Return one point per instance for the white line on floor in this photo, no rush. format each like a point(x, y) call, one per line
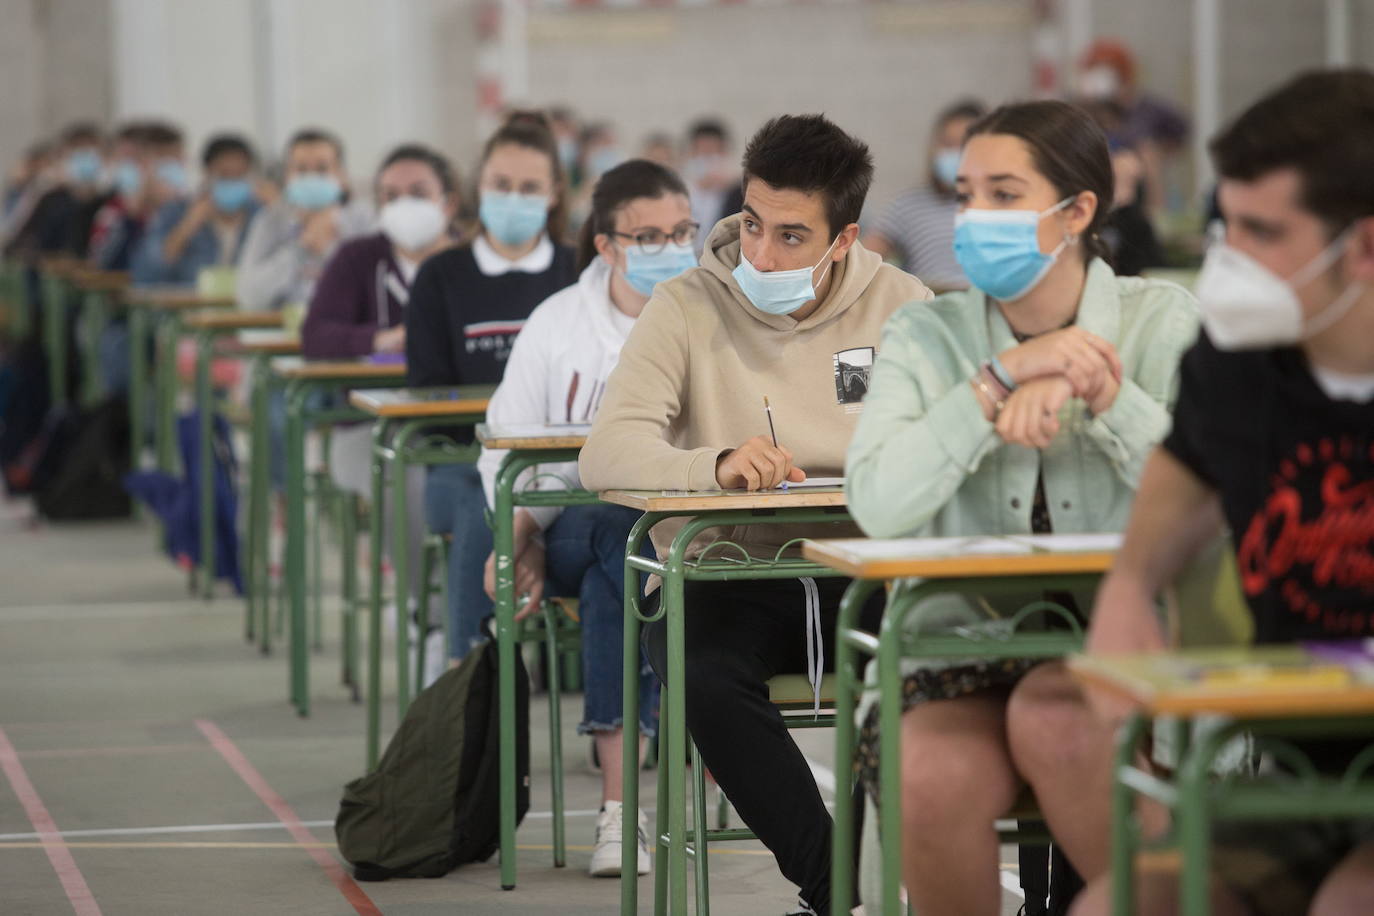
point(230, 828)
point(1011, 881)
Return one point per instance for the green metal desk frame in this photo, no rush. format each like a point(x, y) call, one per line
point(299, 418)
point(670, 872)
point(1196, 798)
point(890, 646)
point(398, 443)
point(508, 635)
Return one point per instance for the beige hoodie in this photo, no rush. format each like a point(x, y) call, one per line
point(692, 377)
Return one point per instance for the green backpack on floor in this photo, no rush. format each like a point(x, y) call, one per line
point(432, 803)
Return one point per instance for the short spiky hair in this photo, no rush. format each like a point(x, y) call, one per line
point(810, 153)
point(1321, 124)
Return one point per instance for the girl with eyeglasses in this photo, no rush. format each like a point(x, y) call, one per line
point(640, 232)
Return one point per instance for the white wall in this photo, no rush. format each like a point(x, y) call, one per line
point(382, 71)
point(879, 71)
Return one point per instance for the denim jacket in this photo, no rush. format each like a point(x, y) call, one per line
point(926, 462)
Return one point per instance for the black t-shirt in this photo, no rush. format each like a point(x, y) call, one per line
point(461, 323)
point(1295, 472)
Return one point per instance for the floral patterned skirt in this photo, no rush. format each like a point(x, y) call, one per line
point(992, 675)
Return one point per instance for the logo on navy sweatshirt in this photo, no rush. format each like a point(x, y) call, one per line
point(494, 338)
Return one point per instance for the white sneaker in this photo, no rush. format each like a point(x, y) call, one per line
point(609, 829)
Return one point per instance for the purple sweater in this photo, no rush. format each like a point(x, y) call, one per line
point(360, 292)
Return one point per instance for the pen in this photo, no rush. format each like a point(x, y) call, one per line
point(768, 412)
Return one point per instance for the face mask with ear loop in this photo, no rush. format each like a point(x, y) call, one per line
point(999, 250)
point(1246, 306)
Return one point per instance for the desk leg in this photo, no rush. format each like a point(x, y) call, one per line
point(295, 545)
point(165, 382)
point(890, 748)
point(205, 409)
point(257, 465)
point(95, 317)
point(503, 545)
point(374, 623)
point(675, 749)
point(400, 565)
point(1124, 828)
point(138, 384)
point(630, 665)
point(848, 681)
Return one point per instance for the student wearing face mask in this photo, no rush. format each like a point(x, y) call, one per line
point(59, 216)
point(466, 307)
point(712, 177)
point(289, 242)
point(917, 228)
point(639, 234)
point(149, 173)
point(208, 230)
point(784, 303)
point(1025, 405)
point(358, 308)
point(1273, 438)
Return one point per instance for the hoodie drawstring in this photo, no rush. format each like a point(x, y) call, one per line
point(815, 641)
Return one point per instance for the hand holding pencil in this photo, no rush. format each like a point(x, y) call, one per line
point(758, 464)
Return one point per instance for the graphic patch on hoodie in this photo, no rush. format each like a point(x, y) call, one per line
point(852, 370)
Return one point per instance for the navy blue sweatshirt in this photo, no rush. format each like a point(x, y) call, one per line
point(461, 324)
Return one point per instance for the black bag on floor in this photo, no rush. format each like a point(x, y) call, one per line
point(81, 473)
point(432, 803)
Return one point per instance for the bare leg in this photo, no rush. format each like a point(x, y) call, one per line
point(1349, 889)
point(1156, 895)
point(957, 778)
point(1065, 752)
point(609, 748)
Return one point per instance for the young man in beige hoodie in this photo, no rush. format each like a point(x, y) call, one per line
point(786, 304)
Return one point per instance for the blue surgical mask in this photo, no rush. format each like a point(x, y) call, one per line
point(231, 195)
point(172, 173)
point(645, 271)
point(999, 250)
point(513, 219)
point(128, 178)
point(84, 166)
point(779, 292)
point(946, 166)
point(313, 191)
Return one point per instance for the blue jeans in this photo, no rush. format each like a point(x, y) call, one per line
point(455, 504)
point(585, 556)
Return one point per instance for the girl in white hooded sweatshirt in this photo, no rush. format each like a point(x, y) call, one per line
point(640, 232)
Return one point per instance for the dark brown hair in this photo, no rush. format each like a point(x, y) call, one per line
point(1321, 124)
point(1068, 148)
point(531, 130)
point(812, 154)
point(628, 181)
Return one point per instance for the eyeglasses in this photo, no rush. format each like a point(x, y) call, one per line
point(652, 241)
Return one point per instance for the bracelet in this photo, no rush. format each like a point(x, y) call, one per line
point(997, 402)
point(986, 373)
point(1000, 373)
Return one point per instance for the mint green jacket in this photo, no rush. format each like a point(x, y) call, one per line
point(925, 462)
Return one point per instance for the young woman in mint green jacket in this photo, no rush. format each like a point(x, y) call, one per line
point(1025, 405)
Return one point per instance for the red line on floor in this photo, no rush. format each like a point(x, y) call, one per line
point(83, 902)
point(120, 751)
point(278, 806)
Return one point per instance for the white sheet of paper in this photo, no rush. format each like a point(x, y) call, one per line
point(816, 482)
point(538, 430)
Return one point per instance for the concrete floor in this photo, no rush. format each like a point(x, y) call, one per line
point(136, 722)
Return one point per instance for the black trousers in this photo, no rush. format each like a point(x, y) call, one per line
point(738, 635)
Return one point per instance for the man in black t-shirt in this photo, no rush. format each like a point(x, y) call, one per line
point(1273, 438)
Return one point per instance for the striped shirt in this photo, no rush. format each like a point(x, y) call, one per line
point(919, 224)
